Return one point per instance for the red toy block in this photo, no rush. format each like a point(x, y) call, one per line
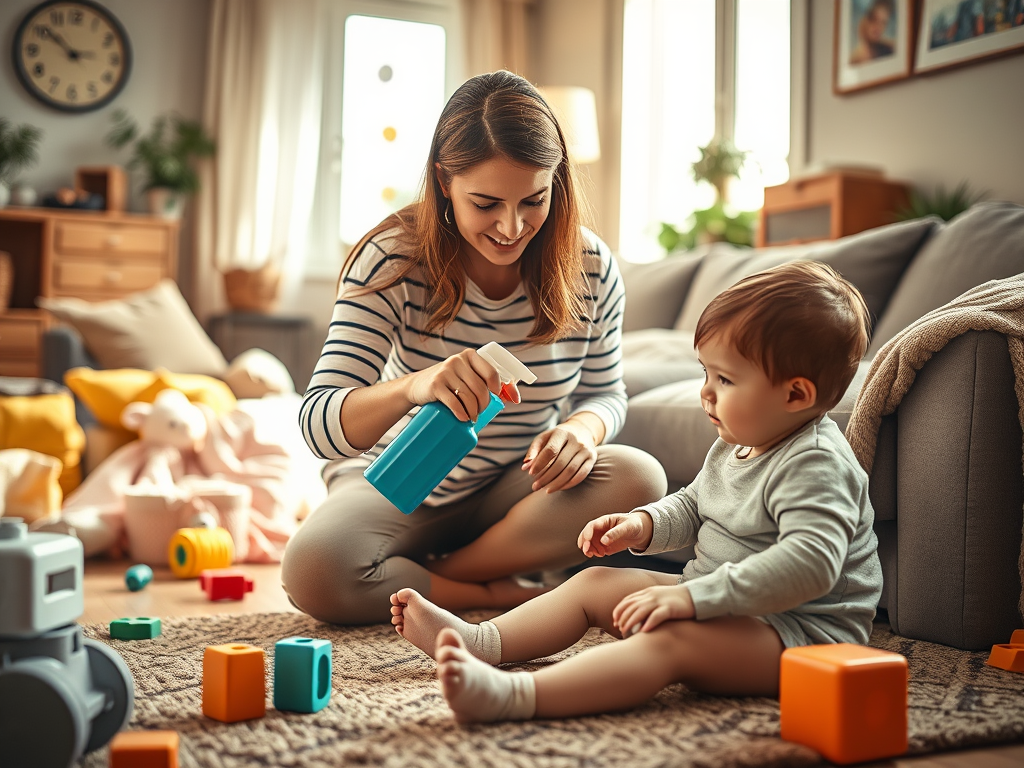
point(144, 749)
point(225, 584)
point(846, 701)
point(234, 683)
point(1009, 656)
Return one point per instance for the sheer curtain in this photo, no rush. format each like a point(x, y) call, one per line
point(263, 102)
point(496, 36)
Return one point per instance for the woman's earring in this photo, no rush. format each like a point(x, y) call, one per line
point(447, 212)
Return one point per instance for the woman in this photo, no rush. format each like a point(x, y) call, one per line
point(494, 251)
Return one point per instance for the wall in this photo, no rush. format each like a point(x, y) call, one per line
point(168, 42)
point(944, 128)
point(579, 42)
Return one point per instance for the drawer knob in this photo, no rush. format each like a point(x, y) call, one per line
point(113, 240)
point(112, 276)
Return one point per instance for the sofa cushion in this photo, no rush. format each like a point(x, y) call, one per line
point(655, 291)
point(148, 330)
point(656, 356)
point(873, 261)
point(984, 243)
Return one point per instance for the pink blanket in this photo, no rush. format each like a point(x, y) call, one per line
point(247, 485)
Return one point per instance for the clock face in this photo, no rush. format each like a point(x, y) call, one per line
point(73, 55)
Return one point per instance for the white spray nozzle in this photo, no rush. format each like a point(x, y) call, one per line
point(510, 369)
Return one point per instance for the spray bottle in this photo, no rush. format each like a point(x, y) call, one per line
point(435, 441)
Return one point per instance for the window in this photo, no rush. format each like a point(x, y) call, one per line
point(692, 71)
point(391, 68)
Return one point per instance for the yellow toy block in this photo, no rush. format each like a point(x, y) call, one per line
point(234, 687)
point(845, 701)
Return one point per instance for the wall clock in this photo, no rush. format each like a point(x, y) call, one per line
point(72, 55)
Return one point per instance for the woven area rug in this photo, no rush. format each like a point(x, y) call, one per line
point(387, 710)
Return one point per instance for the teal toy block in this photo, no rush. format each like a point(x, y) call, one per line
point(302, 674)
point(141, 628)
point(137, 577)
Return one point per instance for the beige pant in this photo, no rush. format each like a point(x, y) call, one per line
point(353, 552)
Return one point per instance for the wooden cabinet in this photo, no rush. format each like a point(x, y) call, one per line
point(87, 255)
point(828, 206)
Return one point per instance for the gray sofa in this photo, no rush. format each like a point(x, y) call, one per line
point(947, 484)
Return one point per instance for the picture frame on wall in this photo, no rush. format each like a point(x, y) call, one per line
point(952, 33)
point(873, 43)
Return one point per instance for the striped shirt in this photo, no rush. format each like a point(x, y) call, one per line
point(377, 337)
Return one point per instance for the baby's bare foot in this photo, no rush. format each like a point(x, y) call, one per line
point(419, 621)
point(477, 692)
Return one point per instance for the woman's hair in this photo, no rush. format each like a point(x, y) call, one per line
point(494, 115)
point(797, 319)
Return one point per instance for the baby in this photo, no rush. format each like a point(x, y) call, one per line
point(785, 551)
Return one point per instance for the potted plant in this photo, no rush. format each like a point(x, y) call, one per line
point(719, 161)
point(941, 203)
point(18, 149)
point(166, 154)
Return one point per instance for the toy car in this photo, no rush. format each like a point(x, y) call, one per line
point(60, 695)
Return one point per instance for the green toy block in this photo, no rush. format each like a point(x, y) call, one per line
point(302, 674)
point(141, 628)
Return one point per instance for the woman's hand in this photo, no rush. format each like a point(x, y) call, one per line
point(613, 533)
point(463, 382)
point(562, 456)
point(644, 610)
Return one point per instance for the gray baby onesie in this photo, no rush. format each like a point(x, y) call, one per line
point(785, 536)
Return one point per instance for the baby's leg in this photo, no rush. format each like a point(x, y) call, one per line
point(734, 655)
point(544, 625)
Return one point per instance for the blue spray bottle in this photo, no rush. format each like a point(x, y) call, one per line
point(435, 441)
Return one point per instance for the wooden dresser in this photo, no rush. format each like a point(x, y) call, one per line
point(89, 255)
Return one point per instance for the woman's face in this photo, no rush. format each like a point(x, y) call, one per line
point(499, 207)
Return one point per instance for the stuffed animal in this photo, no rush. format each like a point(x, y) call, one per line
point(169, 429)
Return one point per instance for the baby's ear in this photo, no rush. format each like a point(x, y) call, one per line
point(802, 394)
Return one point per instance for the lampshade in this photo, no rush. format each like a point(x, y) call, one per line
point(576, 110)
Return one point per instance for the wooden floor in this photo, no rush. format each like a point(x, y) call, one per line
point(107, 598)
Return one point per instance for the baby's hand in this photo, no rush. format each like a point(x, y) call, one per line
point(613, 533)
point(644, 610)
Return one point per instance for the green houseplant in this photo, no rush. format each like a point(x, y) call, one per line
point(940, 203)
point(19, 148)
point(166, 155)
point(719, 161)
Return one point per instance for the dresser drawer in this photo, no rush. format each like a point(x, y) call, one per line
point(20, 368)
point(19, 338)
point(110, 238)
point(117, 276)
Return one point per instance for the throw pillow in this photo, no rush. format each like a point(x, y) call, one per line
point(29, 484)
point(655, 291)
point(981, 244)
point(148, 330)
point(256, 373)
point(39, 415)
point(873, 261)
point(106, 393)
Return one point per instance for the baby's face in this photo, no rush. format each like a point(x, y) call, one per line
point(741, 400)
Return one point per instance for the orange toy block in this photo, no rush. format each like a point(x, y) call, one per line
point(1009, 656)
point(144, 749)
point(845, 701)
point(234, 687)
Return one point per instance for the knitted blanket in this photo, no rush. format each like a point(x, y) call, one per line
point(997, 305)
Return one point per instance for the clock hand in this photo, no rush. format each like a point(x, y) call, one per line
point(71, 52)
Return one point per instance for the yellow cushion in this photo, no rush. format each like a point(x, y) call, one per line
point(45, 423)
point(107, 392)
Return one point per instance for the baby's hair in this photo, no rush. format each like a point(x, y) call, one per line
point(797, 319)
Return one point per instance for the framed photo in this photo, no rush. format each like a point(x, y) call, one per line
point(955, 32)
point(873, 43)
